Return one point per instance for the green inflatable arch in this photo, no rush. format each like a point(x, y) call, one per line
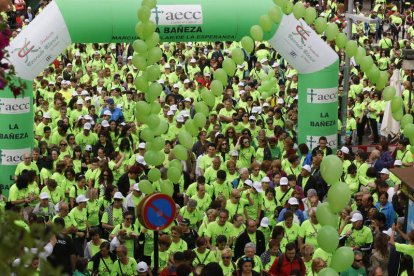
point(68, 21)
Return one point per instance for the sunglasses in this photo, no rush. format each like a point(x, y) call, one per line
point(63, 144)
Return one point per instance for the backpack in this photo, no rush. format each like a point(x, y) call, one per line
point(281, 259)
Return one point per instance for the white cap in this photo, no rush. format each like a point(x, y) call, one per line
point(176, 86)
point(105, 123)
point(167, 66)
point(142, 267)
point(130, 57)
point(107, 112)
point(234, 153)
point(293, 201)
point(263, 60)
point(385, 171)
point(26, 20)
point(87, 126)
point(79, 101)
point(284, 181)
point(44, 195)
point(81, 198)
point(74, 93)
point(397, 163)
point(140, 160)
point(252, 118)
point(241, 66)
point(46, 115)
point(248, 182)
point(266, 104)
point(113, 46)
point(207, 74)
point(173, 107)
point(77, 54)
point(161, 81)
point(184, 113)
point(388, 232)
point(135, 187)
point(276, 64)
point(190, 44)
point(186, 81)
point(307, 167)
point(69, 64)
point(280, 101)
point(265, 179)
point(118, 195)
point(290, 76)
point(180, 119)
point(241, 92)
point(240, 84)
point(192, 60)
point(88, 147)
point(170, 113)
point(51, 83)
point(255, 109)
point(187, 100)
point(84, 93)
point(87, 98)
point(345, 150)
point(356, 217)
point(258, 187)
point(264, 222)
point(141, 146)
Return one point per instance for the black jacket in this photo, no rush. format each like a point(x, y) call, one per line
point(244, 238)
point(328, 150)
point(123, 184)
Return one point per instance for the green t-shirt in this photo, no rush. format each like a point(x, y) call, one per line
point(104, 270)
point(358, 237)
point(309, 232)
point(194, 216)
point(320, 253)
point(80, 216)
point(129, 243)
point(214, 230)
point(407, 249)
point(236, 208)
point(178, 247)
point(128, 269)
point(116, 216)
point(291, 234)
point(163, 258)
point(204, 258)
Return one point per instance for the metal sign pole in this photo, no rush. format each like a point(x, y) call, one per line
point(156, 254)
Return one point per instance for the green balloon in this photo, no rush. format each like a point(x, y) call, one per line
point(310, 15)
point(150, 157)
point(299, 10)
point(153, 121)
point(275, 14)
point(154, 55)
point(167, 188)
point(382, 80)
point(341, 40)
point(256, 32)
point(327, 271)
point(185, 138)
point(237, 55)
point(144, 13)
point(155, 108)
point(373, 74)
point(202, 108)
point(208, 98)
point(288, 7)
point(149, 3)
point(142, 108)
point(339, 196)
point(161, 128)
point(159, 159)
point(405, 120)
point(388, 93)
point(325, 215)
point(159, 143)
point(280, 3)
point(396, 103)
point(398, 115)
point(411, 148)
point(248, 44)
point(342, 259)
point(176, 164)
point(147, 135)
point(173, 174)
point(180, 152)
point(139, 61)
point(199, 120)
point(366, 63)
point(148, 29)
point(331, 169)
point(360, 53)
point(153, 92)
point(146, 187)
point(229, 66)
point(140, 46)
point(139, 29)
point(331, 31)
point(328, 238)
point(141, 83)
point(154, 174)
point(221, 75)
point(265, 22)
point(351, 48)
point(409, 131)
point(153, 40)
point(320, 25)
point(153, 72)
point(191, 127)
point(217, 87)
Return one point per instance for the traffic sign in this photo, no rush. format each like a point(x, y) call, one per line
point(156, 212)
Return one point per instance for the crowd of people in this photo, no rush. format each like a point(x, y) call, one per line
point(247, 197)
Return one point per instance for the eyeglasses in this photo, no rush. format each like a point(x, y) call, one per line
point(63, 144)
point(224, 144)
point(225, 257)
point(247, 259)
point(358, 260)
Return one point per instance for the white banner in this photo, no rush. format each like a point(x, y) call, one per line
point(313, 141)
point(12, 157)
point(301, 46)
point(167, 15)
point(40, 43)
point(322, 95)
point(14, 105)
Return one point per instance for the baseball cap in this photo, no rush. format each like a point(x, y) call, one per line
point(173, 107)
point(81, 198)
point(176, 86)
point(118, 195)
point(140, 159)
point(187, 100)
point(161, 81)
point(84, 93)
point(385, 171)
point(258, 187)
point(44, 195)
point(284, 181)
point(130, 57)
point(356, 217)
point(141, 146)
point(185, 221)
point(307, 167)
point(186, 81)
point(234, 153)
point(88, 148)
point(79, 101)
point(293, 201)
point(107, 112)
point(113, 46)
point(388, 232)
point(240, 84)
point(180, 119)
point(241, 92)
point(87, 98)
point(248, 182)
point(192, 60)
point(110, 101)
point(46, 115)
point(241, 66)
point(252, 118)
point(167, 66)
point(170, 113)
point(105, 123)
point(280, 101)
point(135, 187)
point(190, 44)
point(266, 104)
point(397, 163)
point(142, 267)
point(264, 222)
point(87, 126)
point(345, 150)
point(265, 179)
point(276, 64)
point(263, 60)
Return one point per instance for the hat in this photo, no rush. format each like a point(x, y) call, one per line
point(161, 81)
point(46, 115)
point(140, 159)
point(44, 195)
point(87, 98)
point(84, 93)
point(170, 113)
point(192, 60)
point(293, 201)
point(176, 86)
point(263, 60)
point(280, 101)
point(276, 64)
point(397, 163)
point(81, 117)
point(240, 84)
point(248, 182)
point(141, 146)
point(356, 217)
point(118, 195)
point(264, 222)
point(307, 167)
point(75, 94)
point(207, 74)
point(110, 101)
point(185, 221)
point(234, 153)
point(88, 148)
point(265, 179)
point(113, 46)
point(345, 150)
point(284, 181)
point(184, 113)
point(130, 57)
point(385, 171)
point(79, 101)
point(180, 119)
point(81, 198)
point(252, 118)
point(173, 107)
point(105, 123)
point(241, 92)
point(256, 109)
point(135, 187)
point(167, 66)
point(142, 267)
point(186, 81)
point(266, 104)
point(241, 66)
point(187, 100)
point(87, 126)
point(258, 187)
point(190, 44)
point(107, 112)
point(388, 232)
